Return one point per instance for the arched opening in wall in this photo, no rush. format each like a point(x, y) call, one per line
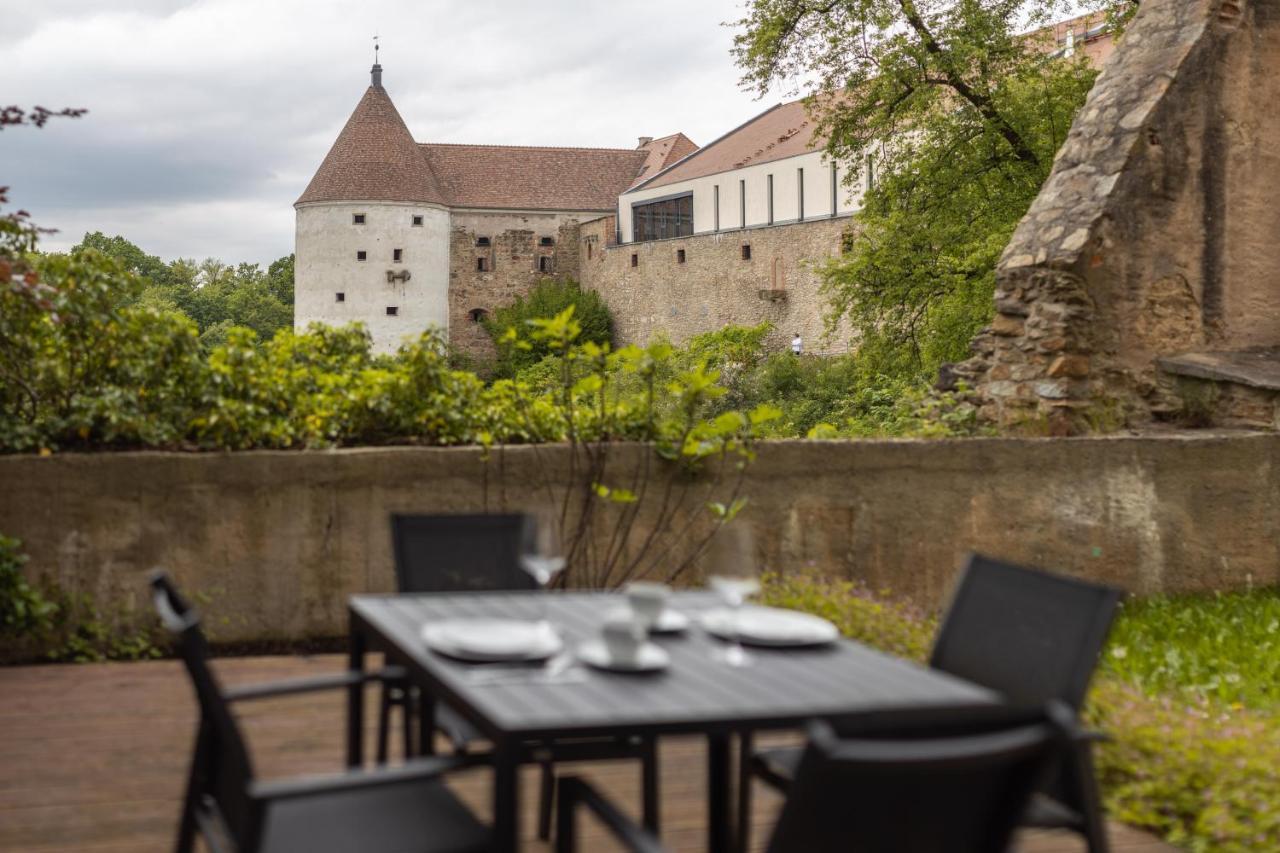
point(478, 315)
point(778, 280)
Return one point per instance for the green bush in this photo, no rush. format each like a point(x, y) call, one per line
point(24, 611)
point(547, 299)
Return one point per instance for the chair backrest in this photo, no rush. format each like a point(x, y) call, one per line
point(460, 553)
point(923, 793)
point(1031, 635)
point(221, 770)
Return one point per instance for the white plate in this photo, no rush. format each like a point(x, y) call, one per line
point(670, 622)
point(648, 659)
point(770, 626)
point(492, 639)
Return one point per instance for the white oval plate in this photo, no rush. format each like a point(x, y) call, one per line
point(649, 658)
point(770, 626)
point(492, 639)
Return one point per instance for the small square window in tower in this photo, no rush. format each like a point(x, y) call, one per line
point(635, 259)
point(357, 219)
point(544, 264)
point(547, 241)
point(482, 264)
point(482, 241)
point(679, 256)
point(746, 251)
point(397, 255)
point(417, 221)
point(339, 297)
point(361, 255)
point(392, 311)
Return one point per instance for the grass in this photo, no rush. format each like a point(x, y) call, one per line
point(1189, 691)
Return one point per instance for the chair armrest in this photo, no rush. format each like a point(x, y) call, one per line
point(413, 770)
point(292, 686)
point(572, 790)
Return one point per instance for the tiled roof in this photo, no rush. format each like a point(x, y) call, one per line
point(374, 158)
point(527, 178)
point(782, 131)
point(663, 152)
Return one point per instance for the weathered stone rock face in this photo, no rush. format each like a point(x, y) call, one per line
point(688, 285)
point(1157, 232)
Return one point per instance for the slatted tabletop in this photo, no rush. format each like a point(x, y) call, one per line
point(698, 693)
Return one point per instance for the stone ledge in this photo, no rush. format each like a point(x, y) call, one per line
point(1257, 368)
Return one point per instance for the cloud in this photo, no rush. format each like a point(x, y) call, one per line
point(208, 118)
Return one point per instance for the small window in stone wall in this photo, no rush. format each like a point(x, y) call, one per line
point(588, 251)
point(397, 255)
point(361, 255)
point(547, 241)
point(392, 311)
point(635, 259)
point(544, 264)
point(478, 315)
point(482, 264)
point(357, 219)
point(417, 221)
point(482, 241)
point(679, 256)
point(746, 251)
point(339, 297)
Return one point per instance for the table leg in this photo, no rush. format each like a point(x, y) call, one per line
point(506, 796)
point(355, 701)
point(719, 794)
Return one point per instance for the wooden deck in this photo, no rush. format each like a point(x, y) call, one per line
point(93, 758)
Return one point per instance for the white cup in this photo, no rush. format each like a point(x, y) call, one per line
point(648, 600)
point(623, 636)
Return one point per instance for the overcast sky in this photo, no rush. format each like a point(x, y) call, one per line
point(208, 117)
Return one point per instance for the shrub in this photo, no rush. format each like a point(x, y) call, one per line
point(23, 609)
point(547, 299)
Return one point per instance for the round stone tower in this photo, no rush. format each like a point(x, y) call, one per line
point(373, 231)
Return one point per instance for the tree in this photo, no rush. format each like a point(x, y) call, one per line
point(959, 112)
point(509, 324)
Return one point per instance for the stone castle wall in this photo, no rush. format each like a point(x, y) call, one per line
point(652, 288)
point(513, 261)
point(1156, 232)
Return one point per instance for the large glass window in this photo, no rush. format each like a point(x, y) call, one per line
point(658, 220)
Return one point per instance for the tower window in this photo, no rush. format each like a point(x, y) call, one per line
point(397, 255)
point(482, 241)
point(482, 264)
point(357, 219)
point(635, 259)
point(339, 297)
point(478, 315)
point(769, 193)
point(417, 221)
point(546, 241)
point(392, 311)
point(746, 251)
point(362, 255)
point(544, 264)
point(588, 251)
point(679, 256)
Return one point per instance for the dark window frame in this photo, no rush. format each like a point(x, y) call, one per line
point(482, 264)
point(482, 241)
point(680, 256)
point(393, 311)
point(397, 256)
point(716, 200)
point(417, 220)
point(339, 296)
point(544, 263)
point(768, 183)
point(662, 218)
point(357, 219)
point(546, 241)
point(635, 260)
point(746, 251)
point(742, 202)
point(362, 255)
point(800, 194)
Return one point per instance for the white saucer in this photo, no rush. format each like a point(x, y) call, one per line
point(769, 626)
point(650, 658)
point(670, 622)
point(486, 640)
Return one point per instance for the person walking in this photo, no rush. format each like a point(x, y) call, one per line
point(797, 345)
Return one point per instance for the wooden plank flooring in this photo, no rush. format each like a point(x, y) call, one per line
point(93, 758)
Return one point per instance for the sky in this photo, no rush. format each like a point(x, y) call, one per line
point(207, 118)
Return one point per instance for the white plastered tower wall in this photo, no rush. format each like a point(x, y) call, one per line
point(328, 241)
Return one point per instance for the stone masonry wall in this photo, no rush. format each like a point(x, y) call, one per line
point(713, 285)
point(512, 261)
point(1156, 231)
point(272, 543)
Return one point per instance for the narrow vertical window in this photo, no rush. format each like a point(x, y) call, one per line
point(746, 251)
point(742, 203)
point(680, 256)
point(835, 191)
point(482, 264)
point(397, 255)
point(871, 173)
point(800, 194)
point(768, 182)
point(635, 260)
point(588, 251)
point(544, 264)
point(716, 202)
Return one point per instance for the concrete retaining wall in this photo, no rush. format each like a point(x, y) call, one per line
point(272, 543)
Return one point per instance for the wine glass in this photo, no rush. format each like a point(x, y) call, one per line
point(732, 573)
point(542, 557)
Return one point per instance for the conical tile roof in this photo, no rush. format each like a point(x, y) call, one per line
point(374, 159)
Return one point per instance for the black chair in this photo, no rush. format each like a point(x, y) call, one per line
point(924, 794)
point(398, 809)
point(459, 553)
point(1034, 637)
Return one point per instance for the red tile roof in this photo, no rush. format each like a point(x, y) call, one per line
point(374, 159)
point(663, 152)
point(529, 178)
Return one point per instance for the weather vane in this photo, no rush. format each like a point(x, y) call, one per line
point(375, 49)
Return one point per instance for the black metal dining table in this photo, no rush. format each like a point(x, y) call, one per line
point(699, 693)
